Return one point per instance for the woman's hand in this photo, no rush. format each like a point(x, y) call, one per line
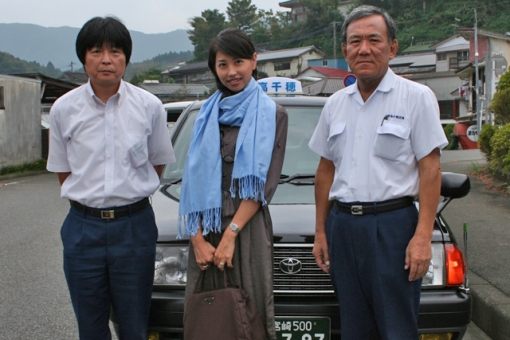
point(225, 251)
point(204, 251)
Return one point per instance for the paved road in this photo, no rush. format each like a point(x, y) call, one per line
point(34, 302)
point(487, 214)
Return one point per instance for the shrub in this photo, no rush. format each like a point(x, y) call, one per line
point(453, 139)
point(501, 106)
point(500, 154)
point(484, 140)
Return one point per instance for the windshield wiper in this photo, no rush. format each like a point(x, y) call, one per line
point(309, 179)
point(171, 181)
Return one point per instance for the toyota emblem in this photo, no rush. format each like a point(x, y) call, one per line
point(290, 265)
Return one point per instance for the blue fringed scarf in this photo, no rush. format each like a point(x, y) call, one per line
point(201, 197)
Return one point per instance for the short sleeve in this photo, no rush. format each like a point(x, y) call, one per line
point(319, 140)
point(427, 132)
point(57, 156)
point(160, 146)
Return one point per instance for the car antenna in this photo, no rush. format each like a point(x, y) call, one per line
point(466, 279)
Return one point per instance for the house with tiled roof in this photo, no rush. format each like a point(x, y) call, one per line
point(298, 11)
point(322, 72)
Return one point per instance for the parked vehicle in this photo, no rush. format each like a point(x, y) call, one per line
point(305, 304)
point(173, 111)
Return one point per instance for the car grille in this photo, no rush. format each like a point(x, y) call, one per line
point(309, 279)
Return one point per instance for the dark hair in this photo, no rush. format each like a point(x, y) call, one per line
point(98, 31)
point(232, 42)
point(366, 11)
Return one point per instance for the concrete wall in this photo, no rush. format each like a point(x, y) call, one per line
point(20, 121)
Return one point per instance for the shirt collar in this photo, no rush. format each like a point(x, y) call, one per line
point(386, 84)
point(120, 92)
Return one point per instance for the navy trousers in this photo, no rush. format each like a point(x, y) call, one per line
point(367, 258)
point(110, 264)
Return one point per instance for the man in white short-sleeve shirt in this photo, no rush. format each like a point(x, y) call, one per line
point(108, 145)
point(379, 143)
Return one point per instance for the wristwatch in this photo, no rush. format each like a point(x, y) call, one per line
point(234, 227)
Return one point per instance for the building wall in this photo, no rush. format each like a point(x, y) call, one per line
point(483, 47)
point(339, 63)
point(297, 65)
point(20, 121)
point(445, 65)
point(442, 87)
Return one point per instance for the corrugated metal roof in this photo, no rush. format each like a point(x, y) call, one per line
point(285, 54)
point(414, 60)
point(324, 87)
point(165, 89)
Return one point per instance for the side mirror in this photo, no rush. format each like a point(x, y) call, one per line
point(455, 185)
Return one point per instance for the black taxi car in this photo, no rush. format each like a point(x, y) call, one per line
point(305, 303)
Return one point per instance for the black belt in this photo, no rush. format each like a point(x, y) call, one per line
point(364, 208)
point(112, 213)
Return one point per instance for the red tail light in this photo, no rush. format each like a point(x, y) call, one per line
point(455, 266)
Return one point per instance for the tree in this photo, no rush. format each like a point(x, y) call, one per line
point(151, 74)
point(318, 27)
point(205, 28)
point(504, 81)
point(241, 13)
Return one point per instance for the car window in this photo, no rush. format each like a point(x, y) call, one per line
point(299, 159)
point(181, 145)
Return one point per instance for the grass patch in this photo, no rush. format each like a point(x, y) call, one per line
point(38, 165)
point(475, 166)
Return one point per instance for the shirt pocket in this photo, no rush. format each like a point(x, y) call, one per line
point(138, 151)
point(336, 141)
point(392, 140)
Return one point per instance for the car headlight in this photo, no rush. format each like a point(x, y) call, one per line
point(435, 276)
point(171, 265)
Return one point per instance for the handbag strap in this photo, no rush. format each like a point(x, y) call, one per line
point(228, 281)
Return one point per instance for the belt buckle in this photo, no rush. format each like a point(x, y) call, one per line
point(357, 210)
point(107, 214)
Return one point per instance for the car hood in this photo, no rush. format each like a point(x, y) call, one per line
point(292, 223)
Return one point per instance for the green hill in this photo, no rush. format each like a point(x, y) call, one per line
point(12, 65)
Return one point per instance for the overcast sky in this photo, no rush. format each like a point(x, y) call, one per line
point(148, 16)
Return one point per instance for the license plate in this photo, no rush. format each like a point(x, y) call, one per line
point(302, 328)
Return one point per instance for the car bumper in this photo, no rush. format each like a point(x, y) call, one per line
point(441, 311)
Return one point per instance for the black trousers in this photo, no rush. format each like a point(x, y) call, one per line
point(367, 258)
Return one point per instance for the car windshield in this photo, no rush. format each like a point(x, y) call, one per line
point(299, 165)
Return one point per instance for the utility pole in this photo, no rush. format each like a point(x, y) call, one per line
point(477, 87)
point(334, 40)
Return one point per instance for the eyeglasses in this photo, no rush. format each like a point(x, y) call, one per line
point(226, 158)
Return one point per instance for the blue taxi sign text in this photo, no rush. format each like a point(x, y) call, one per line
point(280, 86)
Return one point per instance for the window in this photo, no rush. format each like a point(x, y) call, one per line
point(324, 62)
point(463, 56)
point(300, 17)
point(280, 66)
point(441, 56)
point(446, 109)
point(2, 104)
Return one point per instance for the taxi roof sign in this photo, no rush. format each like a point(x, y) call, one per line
point(281, 86)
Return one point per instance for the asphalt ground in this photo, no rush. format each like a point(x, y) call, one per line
point(487, 214)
